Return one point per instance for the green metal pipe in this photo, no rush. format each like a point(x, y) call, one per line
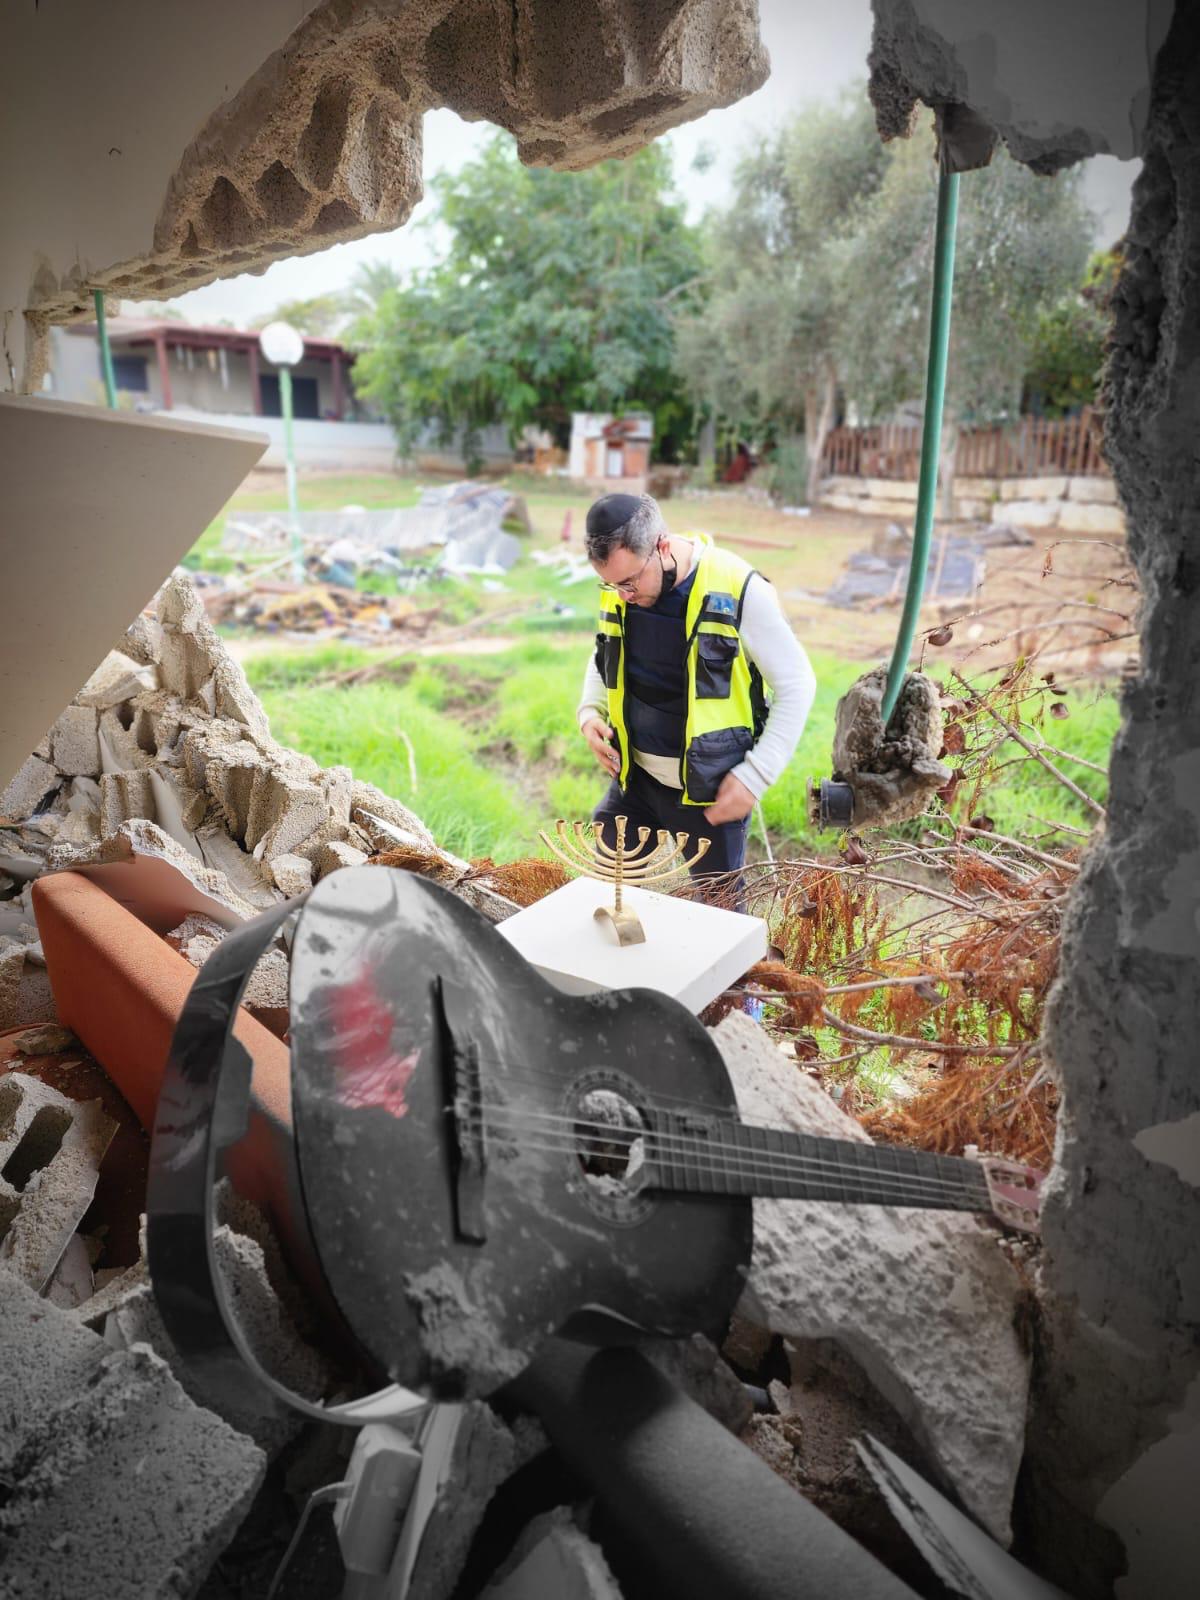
point(110, 382)
point(931, 433)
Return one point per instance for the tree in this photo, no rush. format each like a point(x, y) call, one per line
point(371, 281)
point(1069, 340)
point(1021, 245)
point(318, 316)
point(757, 343)
point(552, 296)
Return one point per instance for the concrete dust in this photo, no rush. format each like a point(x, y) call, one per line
point(894, 772)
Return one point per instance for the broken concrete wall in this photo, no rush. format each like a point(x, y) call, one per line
point(309, 120)
point(115, 1483)
point(181, 767)
point(1120, 1434)
point(1057, 83)
point(924, 1301)
point(1114, 1451)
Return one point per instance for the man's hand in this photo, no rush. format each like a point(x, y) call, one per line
point(734, 801)
point(598, 733)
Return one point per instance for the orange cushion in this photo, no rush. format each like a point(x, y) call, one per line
point(120, 988)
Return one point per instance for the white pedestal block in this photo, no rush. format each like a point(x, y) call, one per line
point(692, 952)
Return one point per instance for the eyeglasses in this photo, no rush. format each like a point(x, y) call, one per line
point(629, 585)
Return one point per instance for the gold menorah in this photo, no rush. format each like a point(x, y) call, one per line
point(595, 859)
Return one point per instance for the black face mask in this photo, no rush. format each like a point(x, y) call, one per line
point(668, 578)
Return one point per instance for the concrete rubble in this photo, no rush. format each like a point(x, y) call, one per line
point(131, 1318)
point(50, 1153)
point(554, 1556)
point(893, 777)
point(82, 1425)
point(315, 135)
point(925, 1302)
point(165, 757)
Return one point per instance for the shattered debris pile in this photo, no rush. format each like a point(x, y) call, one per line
point(892, 771)
point(957, 564)
point(165, 753)
point(278, 607)
point(466, 521)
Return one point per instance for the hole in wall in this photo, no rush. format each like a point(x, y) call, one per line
point(226, 217)
point(336, 217)
point(283, 198)
point(320, 149)
point(37, 1147)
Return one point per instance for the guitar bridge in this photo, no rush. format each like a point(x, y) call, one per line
point(464, 1087)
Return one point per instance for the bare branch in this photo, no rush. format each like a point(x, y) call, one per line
point(1015, 733)
point(903, 1042)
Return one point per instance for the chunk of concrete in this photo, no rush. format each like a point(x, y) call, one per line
point(480, 1458)
point(222, 855)
point(894, 772)
point(126, 797)
point(369, 803)
point(74, 742)
point(144, 868)
point(119, 749)
point(554, 1557)
point(33, 784)
point(191, 654)
point(291, 874)
point(178, 808)
point(25, 992)
point(50, 1153)
point(228, 777)
point(284, 812)
point(120, 1485)
point(70, 1284)
point(142, 641)
point(134, 1320)
point(924, 1301)
point(118, 677)
point(692, 951)
point(695, 1365)
point(339, 854)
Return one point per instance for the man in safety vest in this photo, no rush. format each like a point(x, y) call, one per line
point(674, 705)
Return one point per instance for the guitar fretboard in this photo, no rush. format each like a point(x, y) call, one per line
point(701, 1155)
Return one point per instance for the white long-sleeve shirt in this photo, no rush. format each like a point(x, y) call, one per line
point(774, 649)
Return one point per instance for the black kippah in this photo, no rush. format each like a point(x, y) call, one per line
point(611, 512)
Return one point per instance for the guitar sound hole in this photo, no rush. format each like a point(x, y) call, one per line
point(609, 1142)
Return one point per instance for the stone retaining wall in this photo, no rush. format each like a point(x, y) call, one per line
point(1074, 505)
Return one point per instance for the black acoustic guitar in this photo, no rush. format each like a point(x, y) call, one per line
point(484, 1159)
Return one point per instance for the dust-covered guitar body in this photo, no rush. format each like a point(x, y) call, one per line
point(450, 1109)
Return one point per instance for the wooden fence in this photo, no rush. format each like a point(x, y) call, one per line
point(1034, 447)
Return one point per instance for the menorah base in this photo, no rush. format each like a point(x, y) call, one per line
point(625, 924)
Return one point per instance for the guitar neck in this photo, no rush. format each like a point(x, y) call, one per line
point(698, 1155)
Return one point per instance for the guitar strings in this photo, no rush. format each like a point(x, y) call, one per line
point(832, 1188)
point(730, 1159)
point(966, 1174)
point(760, 1161)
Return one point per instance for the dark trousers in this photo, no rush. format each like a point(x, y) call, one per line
point(650, 804)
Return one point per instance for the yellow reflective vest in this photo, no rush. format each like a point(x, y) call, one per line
point(726, 704)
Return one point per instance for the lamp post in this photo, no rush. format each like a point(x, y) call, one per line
point(283, 347)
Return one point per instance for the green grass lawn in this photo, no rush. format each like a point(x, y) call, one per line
point(496, 754)
point(493, 737)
